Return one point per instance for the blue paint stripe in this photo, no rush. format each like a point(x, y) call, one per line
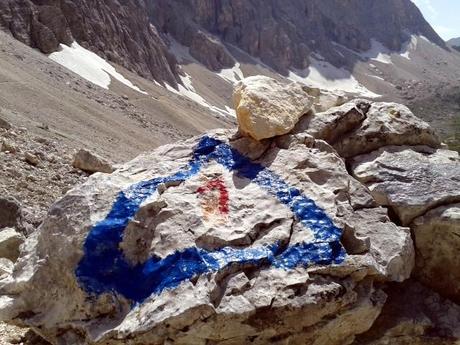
point(104, 267)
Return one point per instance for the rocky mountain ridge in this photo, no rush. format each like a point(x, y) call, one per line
point(118, 31)
point(284, 34)
point(281, 34)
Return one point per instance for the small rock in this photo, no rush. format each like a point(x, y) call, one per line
point(31, 158)
point(10, 241)
point(10, 213)
point(4, 124)
point(90, 162)
point(266, 108)
point(8, 147)
point(6, 267)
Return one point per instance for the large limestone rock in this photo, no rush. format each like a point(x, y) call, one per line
point(195, 243)
point(266, 108)
point(411, 180)
point(437, 236)
point(386, 124)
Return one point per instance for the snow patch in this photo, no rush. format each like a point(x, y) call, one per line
point(233, 74)
point(322, 74)
point(378, 52)
point(409, 47)
point(89, 66)
point(187, 90)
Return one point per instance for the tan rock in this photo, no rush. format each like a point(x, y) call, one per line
point(31, 159)
point(10, 241)
point(90, 162)
point(266, 108)
point(437, 238)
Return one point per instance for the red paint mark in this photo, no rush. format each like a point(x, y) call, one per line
point(209, 203)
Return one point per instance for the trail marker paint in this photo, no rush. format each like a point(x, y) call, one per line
point(104, 267)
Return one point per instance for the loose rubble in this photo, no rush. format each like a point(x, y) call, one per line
point(34, 186)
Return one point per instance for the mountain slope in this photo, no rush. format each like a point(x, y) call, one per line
point(119, 31)
point(283, 34)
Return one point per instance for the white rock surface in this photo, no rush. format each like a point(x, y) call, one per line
point(257, 302)
point(266, 108)
point(411, 180)
point(387, 124)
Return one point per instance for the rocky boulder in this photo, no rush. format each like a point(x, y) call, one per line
point(410, 180)
point(10, 213)
point(91, 162)
point(437, 236)
point(205, 241)
point(266, 108)
point(387, 124)
point(10, 241)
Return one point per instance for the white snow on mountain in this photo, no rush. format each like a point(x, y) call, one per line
point(187, 90)
point(89, 66)
point(322, 74)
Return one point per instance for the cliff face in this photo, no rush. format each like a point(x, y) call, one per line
point(118, 30)
point(282, 34)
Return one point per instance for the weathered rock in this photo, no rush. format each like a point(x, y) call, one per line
point(410, 180)
point(387, 124)
point(31, 158)
point(414, 315)
point(326, 99)
point(10, 241)
point(4, 124)
point(6, 267)
point(7, 147)
point(210, 52)
point(195, 244)
point(437, 237)
point(90, 162)
point(10, 213)
point(266, 108)
point(333, 124)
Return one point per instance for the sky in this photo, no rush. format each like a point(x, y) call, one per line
point(443, 15)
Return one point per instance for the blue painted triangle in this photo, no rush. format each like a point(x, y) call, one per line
point(104, 268)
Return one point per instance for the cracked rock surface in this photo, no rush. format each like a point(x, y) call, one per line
point(223, 214)
point(222, 239)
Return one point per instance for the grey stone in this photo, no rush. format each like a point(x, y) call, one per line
point(410, 180)
point(319, 304)
point(90, 162)
point(10, 241)
point(10, 213)
point(437, 237)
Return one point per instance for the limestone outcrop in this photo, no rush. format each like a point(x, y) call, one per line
point(225, 239)
point(196, 242)
point(411, 180)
